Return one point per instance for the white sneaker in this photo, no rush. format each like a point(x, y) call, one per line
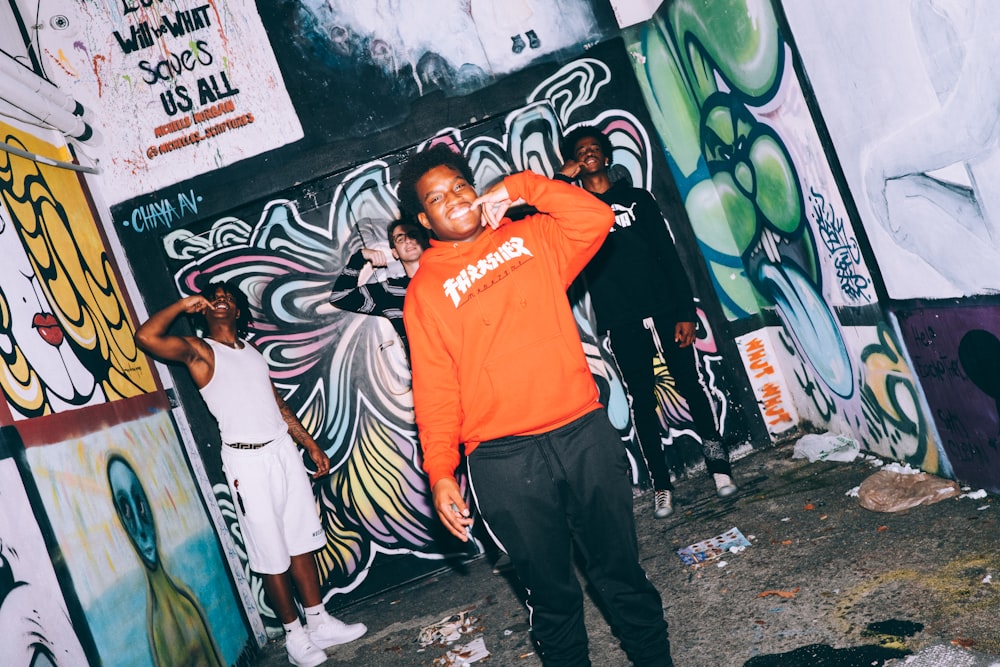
point(302, 652)
point(724, 485)
point(663, 504)
point(332, 632)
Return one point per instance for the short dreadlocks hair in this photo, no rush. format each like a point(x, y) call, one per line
point(419, 164)
point(230, 287)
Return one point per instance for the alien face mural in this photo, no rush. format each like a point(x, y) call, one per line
point(177, 630)
point(133, 509)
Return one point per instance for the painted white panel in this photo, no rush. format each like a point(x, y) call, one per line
point(175, 89)
point(910, 92)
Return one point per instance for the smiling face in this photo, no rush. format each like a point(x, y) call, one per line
point(223, 305)
point(447, 199)
point(229, 308)
point(590, 155)
point(407, 242)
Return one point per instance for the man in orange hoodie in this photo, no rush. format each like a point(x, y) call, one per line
point(498, 368)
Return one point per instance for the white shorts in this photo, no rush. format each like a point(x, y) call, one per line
point(274, 504)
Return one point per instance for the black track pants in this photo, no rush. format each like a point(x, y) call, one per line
point(634, 350)
point(541, 494)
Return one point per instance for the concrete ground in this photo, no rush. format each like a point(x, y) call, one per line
point(824, 583)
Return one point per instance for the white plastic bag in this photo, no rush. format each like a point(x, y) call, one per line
point(826, 447)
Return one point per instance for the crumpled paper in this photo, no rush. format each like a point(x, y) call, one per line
point(464, 655)
point(448, 629)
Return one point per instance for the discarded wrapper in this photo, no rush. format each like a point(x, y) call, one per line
point(464, 655)
point(712, 548)
point(448, 629)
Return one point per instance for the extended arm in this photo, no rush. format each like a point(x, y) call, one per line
point(438, 412)
point(301, 435)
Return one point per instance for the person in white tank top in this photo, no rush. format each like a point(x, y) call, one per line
point(259, 431)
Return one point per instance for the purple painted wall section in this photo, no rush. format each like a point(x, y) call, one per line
point(956, 356)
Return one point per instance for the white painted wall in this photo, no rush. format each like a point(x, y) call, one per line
point(910, 91)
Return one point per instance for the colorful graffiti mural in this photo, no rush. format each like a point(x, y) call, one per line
point(75, 389)
point(176, 89)
point(728, 105)
point(34, 620)
point(955, 352)
point(66, 329)
point(344, 374)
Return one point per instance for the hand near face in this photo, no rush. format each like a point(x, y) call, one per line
point(195, 304)
point(494, 203)
point(570, 168)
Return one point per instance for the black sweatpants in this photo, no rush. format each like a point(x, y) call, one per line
point(541, 494)
point(633, 348)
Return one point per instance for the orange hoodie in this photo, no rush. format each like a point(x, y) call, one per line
point(494, 347)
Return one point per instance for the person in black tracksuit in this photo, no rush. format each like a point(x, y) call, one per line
point(642, 298)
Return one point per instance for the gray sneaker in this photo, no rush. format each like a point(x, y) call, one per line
point(724, 485)
point(663, 504)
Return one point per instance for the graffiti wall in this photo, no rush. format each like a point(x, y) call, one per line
point(65, 322)
point(955, 352)
point(912, 120)
point(34, 609)
point(722, 85)
point(89, 450)
point(346, 375)
point(170, 90)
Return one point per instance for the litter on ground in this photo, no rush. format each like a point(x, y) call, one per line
point(712, 548)
point(781, 594)
point(464, 655)
point(826, 447)
point(892, 490)
point(448, 629)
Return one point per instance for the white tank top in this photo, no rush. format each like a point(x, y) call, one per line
point(241, 397)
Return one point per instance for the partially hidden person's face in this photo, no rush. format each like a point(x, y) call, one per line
point(447, 200)
point(590, 156)
point(406, 243)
